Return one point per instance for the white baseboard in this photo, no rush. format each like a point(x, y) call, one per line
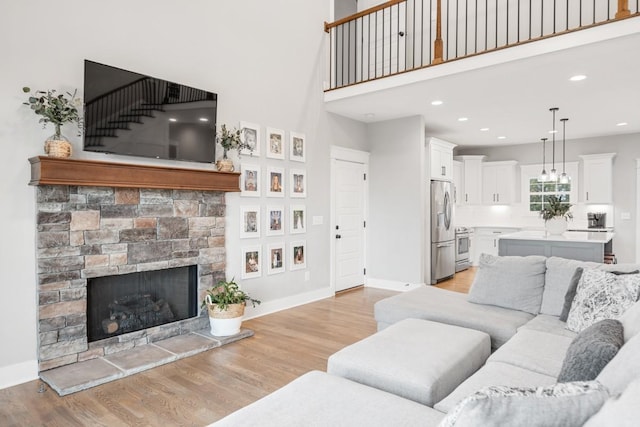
point(18, 373)
point(391, 285)
point(288, 302)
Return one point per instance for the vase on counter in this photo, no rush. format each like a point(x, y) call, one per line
point(57, 144)
point(556, 225)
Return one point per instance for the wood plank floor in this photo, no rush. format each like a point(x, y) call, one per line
point(204, 388)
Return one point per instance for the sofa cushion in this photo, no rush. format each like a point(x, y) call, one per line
point(557, 277)
point(631, 321)
point(440, 305)
point(622, 411)
point(494, 373)
point(536, 351)
point(561, 405)
point(550, 324)
point(601, 295)
point(319, 399)
point(623, 368)
point(591, 350)
point(509, 281)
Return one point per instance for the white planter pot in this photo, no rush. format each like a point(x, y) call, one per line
point(225, 327)
point(555, 226)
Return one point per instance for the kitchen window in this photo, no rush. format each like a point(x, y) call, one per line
point(535, 194)
point(539, 193)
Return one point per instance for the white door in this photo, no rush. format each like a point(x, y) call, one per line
point(348, 234)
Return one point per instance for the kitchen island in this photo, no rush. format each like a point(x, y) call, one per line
point(579, 245)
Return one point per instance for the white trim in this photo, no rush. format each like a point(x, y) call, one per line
point(286, 303)
point(637, 210)
point(391, 285)
point(18, 373)
point(355, 156)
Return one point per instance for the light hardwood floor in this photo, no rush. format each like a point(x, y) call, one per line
point(204, 388)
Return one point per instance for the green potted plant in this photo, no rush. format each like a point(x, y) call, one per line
point(556, 213)
point(229, 139)
point(57, 109)
point(225, 304)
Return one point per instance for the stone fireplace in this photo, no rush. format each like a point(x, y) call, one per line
point(87, 232)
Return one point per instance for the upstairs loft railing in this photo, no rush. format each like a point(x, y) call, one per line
point(122, 106)
point(404, 35)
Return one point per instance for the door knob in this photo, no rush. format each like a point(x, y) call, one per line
point(338, 236)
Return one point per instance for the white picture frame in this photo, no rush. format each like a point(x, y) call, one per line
point(275, 143)
point(250, 134)
point(297, 183)
point(297, 147)
point(274, 182)
point(274, 221)
point(276, 258)
point(251, 262)
point(250, 180)
point(249, 222)
point(297, 219)
point(298, 255)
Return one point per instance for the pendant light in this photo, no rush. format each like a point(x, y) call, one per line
point(553, 176)
point(564, 178)
point(543, 176)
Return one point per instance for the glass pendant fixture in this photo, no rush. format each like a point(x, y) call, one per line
point(564, 178)
point(553, 176)
point(543, 175)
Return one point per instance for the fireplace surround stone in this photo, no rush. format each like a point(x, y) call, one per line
point(86, 232)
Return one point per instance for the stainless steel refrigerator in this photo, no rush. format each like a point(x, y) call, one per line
point(443, 248)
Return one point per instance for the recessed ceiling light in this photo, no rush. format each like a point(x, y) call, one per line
point(436, 102)
point(171, 119)
point(622, 124)
point(484, 129)
point(204, 119)
point(578, 77)
point(502, 137)
point(463, 119)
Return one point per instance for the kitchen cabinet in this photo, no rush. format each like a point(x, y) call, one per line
point(470, 192)
point(499, 182)
point(597, 182)
point(457, 181)
point(485, 240)
point(441, 159)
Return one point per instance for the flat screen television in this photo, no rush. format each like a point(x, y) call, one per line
point(133, 114)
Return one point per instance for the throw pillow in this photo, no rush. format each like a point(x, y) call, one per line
point(623, 411)
point(591, 350)
point(561, 405)
point(510, 282)
point(601, 295)
point(631, 321)
point(571, 293)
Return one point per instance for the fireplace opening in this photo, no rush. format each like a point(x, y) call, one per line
point(126, 303)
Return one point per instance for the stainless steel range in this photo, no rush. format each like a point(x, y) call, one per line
point(463, 245)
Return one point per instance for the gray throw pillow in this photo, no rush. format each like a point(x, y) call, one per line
point(571, 293)
point(558, 405)
point(591, 350)
point(510, 281)
point(601, 295)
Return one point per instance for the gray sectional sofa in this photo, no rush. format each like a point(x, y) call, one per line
point(517, 302)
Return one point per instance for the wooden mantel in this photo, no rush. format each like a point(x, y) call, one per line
point(57, 171)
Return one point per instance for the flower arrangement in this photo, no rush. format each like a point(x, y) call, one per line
point(55, 108)
point(231, 140)
point(227, 292)
point(556, 208)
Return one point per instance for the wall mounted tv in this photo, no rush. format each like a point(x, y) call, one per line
point(136, 115)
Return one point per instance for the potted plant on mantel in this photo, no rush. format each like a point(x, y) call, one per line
point(225, 303)
point(57, 109)
point(229, 140)
point(556, 214)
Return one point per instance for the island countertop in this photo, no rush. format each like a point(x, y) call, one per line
point(566, 237)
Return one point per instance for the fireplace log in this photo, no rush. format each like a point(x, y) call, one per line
point(109, 326)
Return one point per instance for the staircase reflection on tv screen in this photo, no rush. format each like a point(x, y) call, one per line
point(137, 115)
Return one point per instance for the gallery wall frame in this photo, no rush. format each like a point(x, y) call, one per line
point(297, 219)
point(297, 147)
point(251, 262)
point(249, 222)
point(298, 255)
point(250, 180)
point(250, 135)
point(276, 258)
point(275, 143)
point(274, 220)
point(298, 183)
point(275, 182)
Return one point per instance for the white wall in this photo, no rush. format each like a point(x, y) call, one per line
point(627, 148)
point(264, 59)
point(396, 231)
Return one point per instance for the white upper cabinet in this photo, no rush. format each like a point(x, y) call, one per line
point(597, 174)
point(441, 159)
point(499, 182)
point(470, 192)
point(458, 183)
